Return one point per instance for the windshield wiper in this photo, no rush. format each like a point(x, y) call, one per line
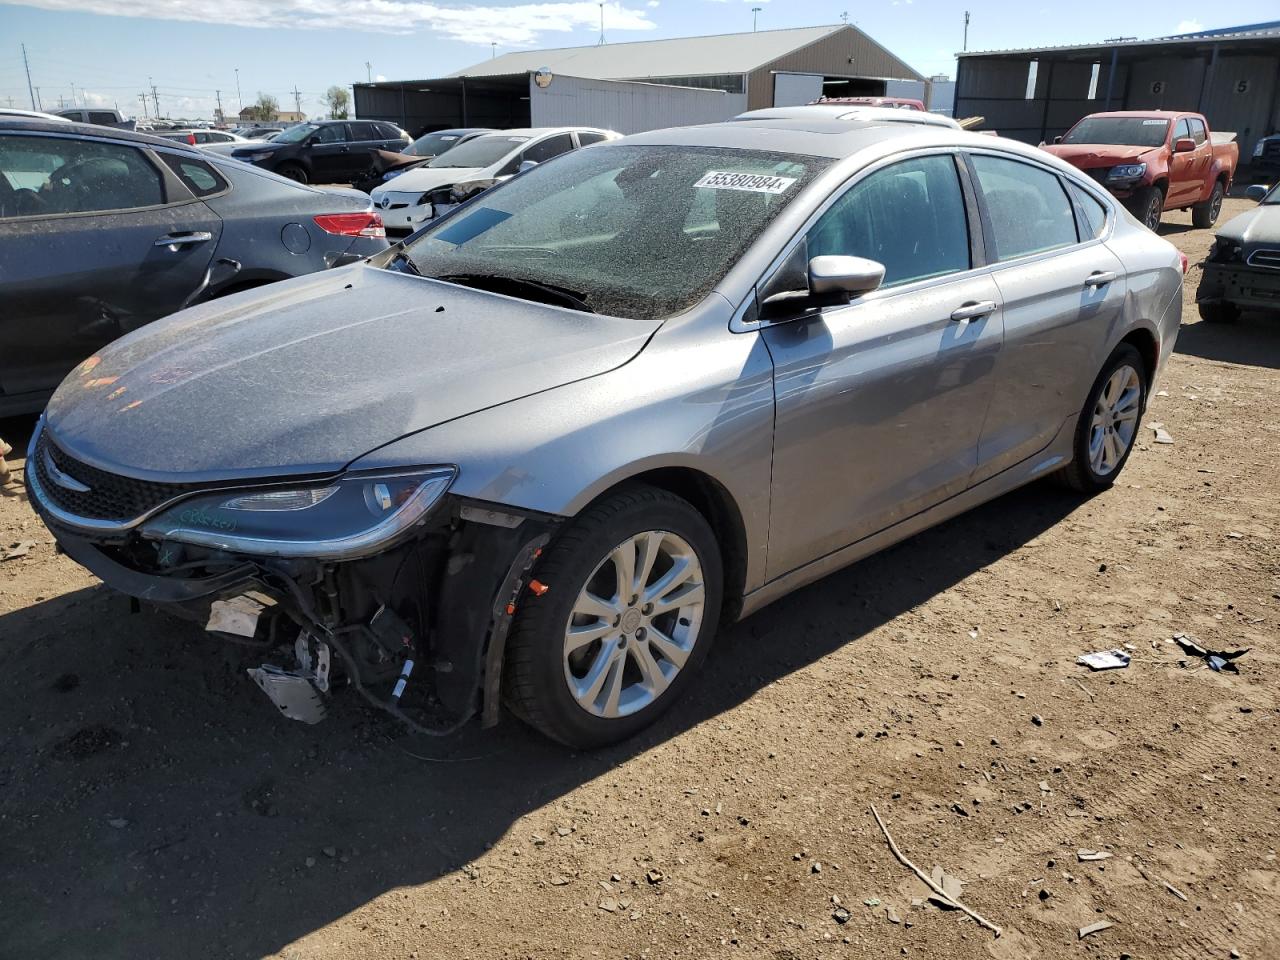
point(515, 286)
point(411, 267)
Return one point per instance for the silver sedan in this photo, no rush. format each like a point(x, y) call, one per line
point(539, 453)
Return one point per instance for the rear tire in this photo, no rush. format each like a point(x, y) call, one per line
point(1109, 423)
point(1206, 214)
point(631, 658)
point(1218, 312)
point(1148, 207)
point(294, 171)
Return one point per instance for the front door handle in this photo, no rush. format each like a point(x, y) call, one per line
point(1100, 278)
point(973, 310)
point(176, 240)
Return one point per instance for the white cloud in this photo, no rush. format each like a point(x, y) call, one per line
point(1188, 26)
point(514, 26)
point(380, 78)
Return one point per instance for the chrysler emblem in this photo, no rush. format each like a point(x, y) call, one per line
point(64, 480)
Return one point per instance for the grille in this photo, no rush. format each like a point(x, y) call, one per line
point(1265, 258)
point(1099, 173)
point(1271, 149)
point(110, 496)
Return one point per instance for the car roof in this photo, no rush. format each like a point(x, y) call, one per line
point(532, 132)
point(32, 114)
point(1149, 114)
point(90, 130)
point(851, 114)
point(829, 138)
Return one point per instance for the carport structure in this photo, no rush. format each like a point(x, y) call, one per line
point(1230, 75)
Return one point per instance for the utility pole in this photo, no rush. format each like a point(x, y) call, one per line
point(966, 31)
point(755, 13)
point(155, 97)
point(493, 47)
point(368, 71)
point(143, 98)
point(27, 65)
point(39, 102)
point(239, 99)
point(217, 94)
point(297, 99)
point(601, 43)
point(73, 95)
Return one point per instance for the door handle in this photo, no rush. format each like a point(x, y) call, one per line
point(176, 240)
point(1099, 278)
point(974, 310)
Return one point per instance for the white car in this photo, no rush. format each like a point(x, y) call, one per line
point(418, 196)
point(31, 115)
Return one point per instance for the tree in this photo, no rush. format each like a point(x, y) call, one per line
point(267, 107)
point(338, 100)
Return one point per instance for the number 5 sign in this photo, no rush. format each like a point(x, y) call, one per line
point(1242, 86)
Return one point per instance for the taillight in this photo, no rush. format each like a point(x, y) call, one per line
point(191, 139)
point(1185, 263)
point(366, 224)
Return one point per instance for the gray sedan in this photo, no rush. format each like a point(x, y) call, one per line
point(539, 453)
point(103, 230)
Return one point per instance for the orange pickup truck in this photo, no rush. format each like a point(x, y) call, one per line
point(1154, 161)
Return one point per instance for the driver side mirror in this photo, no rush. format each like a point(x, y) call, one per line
point(526, 165)
point(1257, 191)
point(832, 281)
point(1184, 145)
point(1057, 139)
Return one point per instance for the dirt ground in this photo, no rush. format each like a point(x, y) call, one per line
point(152, 805)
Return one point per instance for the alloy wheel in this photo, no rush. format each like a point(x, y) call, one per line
point(1155, 209)
point(1115, 420)
point(634, 624)
point(1215, 205)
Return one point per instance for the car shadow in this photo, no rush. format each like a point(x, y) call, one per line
point(1253, 340)
point(149, 793)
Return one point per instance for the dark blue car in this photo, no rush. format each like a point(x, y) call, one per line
point(104, 230)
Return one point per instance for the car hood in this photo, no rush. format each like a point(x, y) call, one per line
point(304, 376)
point(1086, 156)
point(1261, 225)
point(254, 147)
point(422, 179)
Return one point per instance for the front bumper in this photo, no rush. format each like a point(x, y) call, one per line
point(1239, 284)
point(403, 213)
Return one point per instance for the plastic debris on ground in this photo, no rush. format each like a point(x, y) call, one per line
point(1217, 660)
point(1115, 659)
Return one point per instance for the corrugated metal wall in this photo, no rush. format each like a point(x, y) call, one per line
point(829, 57)
point(627, 107)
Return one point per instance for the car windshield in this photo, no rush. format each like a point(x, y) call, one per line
point(297, 134)
point(631, 231)
point(480, 152)
point(1124, 131)
point(433, 144)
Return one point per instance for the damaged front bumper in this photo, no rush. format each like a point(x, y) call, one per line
point(1241, 284)
point(418, 627)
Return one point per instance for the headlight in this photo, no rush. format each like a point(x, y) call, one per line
point(391, 175)
point(351, 517)
point(1258, 148)
point(252, 157)
point(1127, 171)
point(470, 188)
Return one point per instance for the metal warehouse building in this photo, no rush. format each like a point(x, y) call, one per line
point(647, 84)
point(1230, 75)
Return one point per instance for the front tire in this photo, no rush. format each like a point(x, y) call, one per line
point(294, 171)
point(1148, 207)
point(1108, 424)
point(633, 597)
point(1218, 312)
point(1206, 214)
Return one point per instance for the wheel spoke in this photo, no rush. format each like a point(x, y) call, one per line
point(613, 686)
point(678, 597)
point(681, 570)
point(669, 649)
point(1097, 441)
point(651, 675)
point(580, 637)
point(589, 605)
point(590, 685)
point(649, 545)
point(624, 568)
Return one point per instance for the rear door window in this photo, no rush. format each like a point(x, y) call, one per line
point(48, 176)
point(586, 137)
point(1028, 208)
point(97, 116)
point(909, 216)
point(548, 148)
point(363, 131)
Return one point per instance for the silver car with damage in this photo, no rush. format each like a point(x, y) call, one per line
point(542, 451)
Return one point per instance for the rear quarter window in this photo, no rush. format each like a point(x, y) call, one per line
point(200, 177)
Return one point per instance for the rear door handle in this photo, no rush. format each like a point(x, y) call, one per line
point(1100, 279)
point(974, 310)
point(183, 239)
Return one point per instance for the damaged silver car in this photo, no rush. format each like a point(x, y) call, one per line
point(538, 453)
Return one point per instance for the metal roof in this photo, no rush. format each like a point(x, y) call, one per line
point(1257, 31)
point(678, 57)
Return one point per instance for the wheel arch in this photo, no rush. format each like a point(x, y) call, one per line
point(1148, 347)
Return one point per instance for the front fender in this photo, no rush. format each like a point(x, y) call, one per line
point(694, 398)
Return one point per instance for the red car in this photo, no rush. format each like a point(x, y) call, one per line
point(1154, 161)
point(902, 103)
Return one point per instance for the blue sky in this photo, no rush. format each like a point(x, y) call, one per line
point(190, 48)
